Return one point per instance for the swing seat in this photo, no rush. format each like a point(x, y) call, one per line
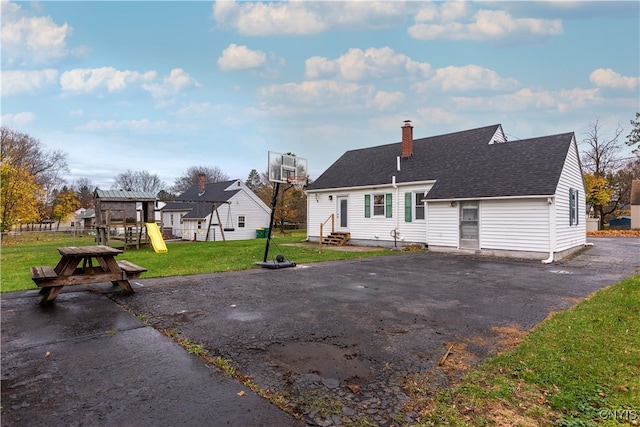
point(229, 229)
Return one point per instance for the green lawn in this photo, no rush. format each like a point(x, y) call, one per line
point(581, 367)
point(21, 252)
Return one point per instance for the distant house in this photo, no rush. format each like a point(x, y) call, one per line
point(85, 218)
point(469, 190)
point(635, 204)
point(206, 212)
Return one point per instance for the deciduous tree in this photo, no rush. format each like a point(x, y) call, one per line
point(20, 197)
point(633, 139)
point(30, 164)
point(84, 189)
point(602, 158)
point(138, 181)
point(65, 203)
point(190, 178)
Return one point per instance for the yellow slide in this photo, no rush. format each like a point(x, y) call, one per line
point(156, 237)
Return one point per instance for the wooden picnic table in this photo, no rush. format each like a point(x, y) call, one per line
point(76, 267)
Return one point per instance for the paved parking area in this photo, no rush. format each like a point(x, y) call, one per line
point(337, 339)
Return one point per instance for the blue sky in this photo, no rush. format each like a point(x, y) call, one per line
point(161, 86)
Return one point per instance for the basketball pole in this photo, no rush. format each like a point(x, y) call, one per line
point(274, 201)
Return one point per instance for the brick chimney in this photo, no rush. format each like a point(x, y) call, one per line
point(407, 139)
point(201, 184)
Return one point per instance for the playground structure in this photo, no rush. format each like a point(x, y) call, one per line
point(117, 210)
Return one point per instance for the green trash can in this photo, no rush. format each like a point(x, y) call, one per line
point(260, 233)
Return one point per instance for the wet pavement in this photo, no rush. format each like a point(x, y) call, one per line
point(337, 340)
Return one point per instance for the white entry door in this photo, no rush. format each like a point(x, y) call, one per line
point(343, 213)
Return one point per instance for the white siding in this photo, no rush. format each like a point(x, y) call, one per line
point(244, 203)
point(443, 226)
point(255, 217)
point(319, 207)
point(374, 228)
point(416, 230)
point(517, 225)
point(569, 236)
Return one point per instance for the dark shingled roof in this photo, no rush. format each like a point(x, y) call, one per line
point(212, 193)
point(199, 206)
point(464, 164)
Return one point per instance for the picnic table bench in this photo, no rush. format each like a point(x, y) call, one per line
point(76, 267)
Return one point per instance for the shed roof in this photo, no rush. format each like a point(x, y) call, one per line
point(465, 164)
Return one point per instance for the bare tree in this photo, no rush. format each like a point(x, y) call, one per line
point(190, 178)
point(633, 139)
point(602, 154)
point(602, 158)
point(138, 181)
point(21, 150)
point(84, 189)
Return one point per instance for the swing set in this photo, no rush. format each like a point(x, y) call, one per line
point(228, 225)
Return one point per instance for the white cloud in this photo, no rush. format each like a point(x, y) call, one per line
point(194, 109)
point(237, 57)
point(452, 21)
point(610, 79)
point(19, 119)
point(177, 80)
point(468, 77)
point(529, 100)
point(384, 100)
point(357, 64)
point(304, 18)
point(325, 95)
point(15, 82)
point(92, 79)
point(437, 115)
point(32, 39)
point(141, 126)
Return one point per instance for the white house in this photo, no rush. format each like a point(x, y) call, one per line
point(464, 191)
point(635, 204)
point(206, 212)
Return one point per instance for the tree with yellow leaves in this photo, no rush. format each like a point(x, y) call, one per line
point(20, 197)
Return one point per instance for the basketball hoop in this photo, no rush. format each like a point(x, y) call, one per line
point(298, 181)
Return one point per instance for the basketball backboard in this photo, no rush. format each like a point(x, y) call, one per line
point(283, 167)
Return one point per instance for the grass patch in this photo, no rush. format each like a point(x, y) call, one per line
point(20, 252)
point(580, 367)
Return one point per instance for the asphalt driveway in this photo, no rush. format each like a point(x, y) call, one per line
point(336, 339)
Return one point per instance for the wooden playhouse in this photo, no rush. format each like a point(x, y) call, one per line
point(121, 215)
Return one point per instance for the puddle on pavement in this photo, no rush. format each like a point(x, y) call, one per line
point(323, 359)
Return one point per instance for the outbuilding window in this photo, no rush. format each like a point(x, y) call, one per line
point(241, 221)
point(573, 206)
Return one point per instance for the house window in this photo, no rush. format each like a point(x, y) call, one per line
point(413, 206)
point(574, 211)
point(379, 205)
point(181, 221)
point(171, 216)
point(199, 225)
point(419, 205)
point(241, 221)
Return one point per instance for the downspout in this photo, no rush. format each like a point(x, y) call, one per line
point(394, 185)
point(552, 231)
